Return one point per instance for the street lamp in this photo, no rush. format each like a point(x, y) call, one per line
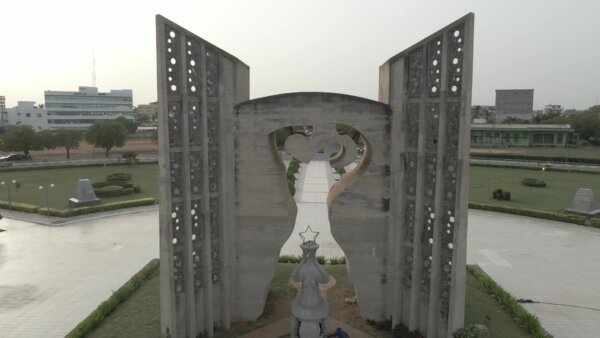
point(41, 187)
point(8, 186)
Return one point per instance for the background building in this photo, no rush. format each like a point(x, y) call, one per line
point(521, 135)
point(79, 110)
point(26, 113)
point(553, 109)
point(146, 113)
point(515, 103)
point(3, 116)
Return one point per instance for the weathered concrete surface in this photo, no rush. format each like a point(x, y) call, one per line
point(84, 195)
point(400, 215)
point(266, 211)
point(584, 203)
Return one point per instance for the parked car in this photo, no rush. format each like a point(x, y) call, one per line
point(13, 157)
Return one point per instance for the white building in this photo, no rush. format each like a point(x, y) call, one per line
point(147, 112)
point(553, 109)
point(26, 113)
point(3, 116)
point(79, 110)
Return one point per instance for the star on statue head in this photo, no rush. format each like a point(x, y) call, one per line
point(307, 234)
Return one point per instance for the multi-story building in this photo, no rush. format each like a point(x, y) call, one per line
point(515, 103)
point(553, 109)
point(3, 116)
point(521, 135)
point(26, 113)
point(147, 112)
point(79, 110)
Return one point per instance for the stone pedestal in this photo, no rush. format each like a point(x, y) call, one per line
point(584, 203)
point(84, 195)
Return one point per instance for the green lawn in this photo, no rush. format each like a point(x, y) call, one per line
point(557, 195)
point(139, 316)
point(65, 181)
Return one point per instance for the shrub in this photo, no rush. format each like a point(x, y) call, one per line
point(119, 177)
point(340, 171)
point(123, 184)
point(506, 196)
point(337, 261)
point(24, 207)
point(403, 332)
point(292, 188)
point(532, 182)
point(137, 189)
point(321, 260)
point(113, 190)
point(130, 158)
point(470, 331)
point(289, 259)
point(497, 194)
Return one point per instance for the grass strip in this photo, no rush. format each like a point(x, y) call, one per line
point(554, 216)
point(524, 319)
point(118, 297)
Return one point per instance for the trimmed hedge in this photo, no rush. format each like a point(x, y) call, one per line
point(123, 184)
point(119, 177)
point(97, 208)
point(18, 206)
point(121, 295)
point(113, 191)
point(554, 216)
point(532, 182)
point(524, 319)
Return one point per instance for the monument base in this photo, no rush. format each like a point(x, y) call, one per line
point(75, 203)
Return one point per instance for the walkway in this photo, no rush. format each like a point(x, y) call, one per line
point(51, 278)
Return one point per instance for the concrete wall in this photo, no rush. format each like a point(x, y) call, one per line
point(400, 216)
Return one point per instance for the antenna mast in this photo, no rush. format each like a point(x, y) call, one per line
point(93, 69)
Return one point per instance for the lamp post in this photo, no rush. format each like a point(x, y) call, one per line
point(41, 187)
point(8, 187)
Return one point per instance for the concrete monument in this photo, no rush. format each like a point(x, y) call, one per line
point(584, 203)
point(225, 209)
point(84, 195)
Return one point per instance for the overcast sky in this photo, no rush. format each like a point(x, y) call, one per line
point(302, 45)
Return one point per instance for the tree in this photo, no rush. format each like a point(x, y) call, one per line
point(130, 125)
point(47, 139)
point(587, 124)
point(68, 139)
point(22, 138)
point(154, 136)
point(106, 134)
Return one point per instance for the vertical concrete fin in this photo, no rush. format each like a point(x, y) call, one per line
point(198, 86)
point(430, 99)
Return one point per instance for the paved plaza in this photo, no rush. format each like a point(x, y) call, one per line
point(52, 277)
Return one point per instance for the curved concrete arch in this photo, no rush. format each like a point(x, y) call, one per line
point(264, 205)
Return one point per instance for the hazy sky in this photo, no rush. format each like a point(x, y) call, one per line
point(302, 45)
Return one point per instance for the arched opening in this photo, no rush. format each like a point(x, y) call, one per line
point(313, 185)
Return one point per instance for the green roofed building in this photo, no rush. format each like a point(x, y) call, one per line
point(521, 135)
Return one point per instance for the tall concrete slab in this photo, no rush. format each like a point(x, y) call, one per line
point(428, 87)
point(198, 87)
